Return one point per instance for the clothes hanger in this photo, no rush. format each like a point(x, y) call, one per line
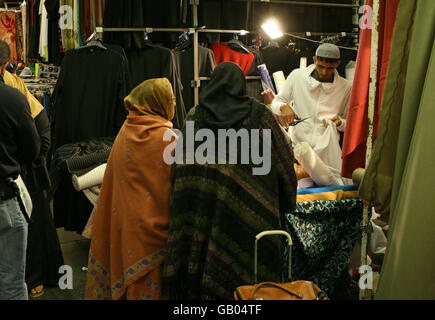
point(146, 40)
point(94, 41)
point(272, 44)
point(237, 45)
point(183, 42)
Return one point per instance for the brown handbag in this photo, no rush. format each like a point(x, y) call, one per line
point(296, 290)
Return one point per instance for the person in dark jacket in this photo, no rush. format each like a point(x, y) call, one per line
point(19, 144)
point(44, 254)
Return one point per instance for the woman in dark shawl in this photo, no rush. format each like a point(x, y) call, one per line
point(218, 208)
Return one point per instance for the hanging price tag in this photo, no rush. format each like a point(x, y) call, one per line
point(45, 71)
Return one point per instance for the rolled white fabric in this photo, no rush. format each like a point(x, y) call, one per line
point(279, 79)
point(92, 194)
point(322, 174)
point(90, 179)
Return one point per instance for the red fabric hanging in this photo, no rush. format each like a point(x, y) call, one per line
point(223, 53)
point(355, 136)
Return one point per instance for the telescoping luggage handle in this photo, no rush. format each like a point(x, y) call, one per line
point(270, 233)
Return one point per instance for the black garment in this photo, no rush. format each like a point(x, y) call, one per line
point(54, 42)
point(258, 59)
point(280, 59)
point(72, 208)
point(157, 62)
point(88, 102)
point(125, 66)
point(223, 102)
point(184, 64)
point(346, 56)
point(141, 14)
point(78, 158)
point(221, 14)
point(254, 89)
point(35, 30)
point(19, 140)
point(44, 254)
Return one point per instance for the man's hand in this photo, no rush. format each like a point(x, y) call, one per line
point(287, 116)
point(268, 96)
point(335, 120)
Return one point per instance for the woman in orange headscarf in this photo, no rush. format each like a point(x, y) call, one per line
point(129, 225)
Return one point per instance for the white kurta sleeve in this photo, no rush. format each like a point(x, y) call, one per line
point(285, 95)
point(343, 115)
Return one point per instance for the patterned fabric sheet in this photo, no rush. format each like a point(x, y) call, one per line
point(324, 233)
point(8, 32)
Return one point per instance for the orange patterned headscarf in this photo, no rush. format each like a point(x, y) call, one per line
point(152, 97)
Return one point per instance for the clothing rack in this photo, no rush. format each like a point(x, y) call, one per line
point(302, 3)
point(364, 293)
point(196, 82)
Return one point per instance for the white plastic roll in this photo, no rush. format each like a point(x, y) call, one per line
point(92, 194)
point(90, 179)
point(279, 79)
point(322, 174)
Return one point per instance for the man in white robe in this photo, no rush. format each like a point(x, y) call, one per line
point(321, 96)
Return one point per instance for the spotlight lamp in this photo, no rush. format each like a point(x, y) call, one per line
point(272, 30)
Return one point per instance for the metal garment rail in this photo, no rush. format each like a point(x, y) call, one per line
point(196, 82)
point(302, 3)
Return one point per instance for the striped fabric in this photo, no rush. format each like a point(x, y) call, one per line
point(216, 212)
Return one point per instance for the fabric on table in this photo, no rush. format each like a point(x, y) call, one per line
point(81, 164)
point(324, 234)
point(92, 194)
point(72, 208)
point(331, 195)
point(352, 187)
point(322, 173)
point(89, 179)
point(79, 158)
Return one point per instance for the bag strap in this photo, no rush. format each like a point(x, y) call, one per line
point(276, 285)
